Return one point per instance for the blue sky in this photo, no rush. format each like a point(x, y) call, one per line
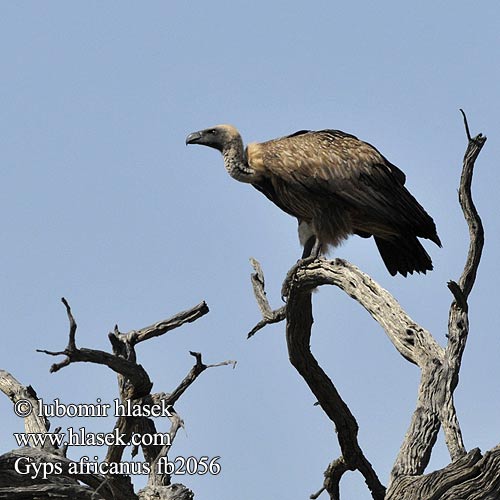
point(102, 203)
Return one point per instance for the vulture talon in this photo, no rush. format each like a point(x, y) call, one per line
point(335, 185)
point(285, 288)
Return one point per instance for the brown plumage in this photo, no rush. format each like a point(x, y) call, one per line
point(335, 185)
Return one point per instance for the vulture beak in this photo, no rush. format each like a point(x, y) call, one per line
point(194, 138)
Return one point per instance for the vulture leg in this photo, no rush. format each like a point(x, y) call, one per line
point(308, 246)
point(316, 249)
point(312, 248)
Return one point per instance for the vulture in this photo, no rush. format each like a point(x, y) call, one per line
point(335, 185)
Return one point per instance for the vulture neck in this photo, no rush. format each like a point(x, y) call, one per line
point(236, 163)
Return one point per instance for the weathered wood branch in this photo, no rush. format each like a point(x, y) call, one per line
point(198, 368)
point(411, 340)
point(435, 406)
point(136, 336)
point(269, 315)
point(458, 321)
point(476, 231)
point(298, 333)
point(471, 476)
point(140, 382)
point(333, 474)
point(26, 404)
point(157, 478)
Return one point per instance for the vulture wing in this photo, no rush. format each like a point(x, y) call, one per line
point(307, 171)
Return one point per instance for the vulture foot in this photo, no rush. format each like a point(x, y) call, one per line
point(285, 287)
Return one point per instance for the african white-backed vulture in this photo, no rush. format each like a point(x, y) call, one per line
point(335, 185)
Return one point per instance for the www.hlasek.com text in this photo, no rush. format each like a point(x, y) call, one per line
point(82, 437)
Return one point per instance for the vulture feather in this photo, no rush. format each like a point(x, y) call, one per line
point(335, 185)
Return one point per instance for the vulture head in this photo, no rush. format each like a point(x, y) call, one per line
point(221, 137)
point(227, 140)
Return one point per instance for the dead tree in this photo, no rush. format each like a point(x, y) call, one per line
point(470, 473)
point(139, 403)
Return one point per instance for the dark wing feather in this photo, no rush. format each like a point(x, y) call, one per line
point(265, 186)
point(299, 132)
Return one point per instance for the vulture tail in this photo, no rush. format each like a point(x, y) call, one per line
point(404, 254)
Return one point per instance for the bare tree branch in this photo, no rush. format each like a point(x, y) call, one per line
point(139, 379)
point(298, 335)
point(198, 368)
point(333, 475)
point(476, 231)
point(26, 403)
point(458, 320)
point(156, 478)
point(471, 476)
point(72, 326)
point(435, 405)
point(162, 327)
point(268, 315)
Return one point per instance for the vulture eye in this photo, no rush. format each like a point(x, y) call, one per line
point(213, 131)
